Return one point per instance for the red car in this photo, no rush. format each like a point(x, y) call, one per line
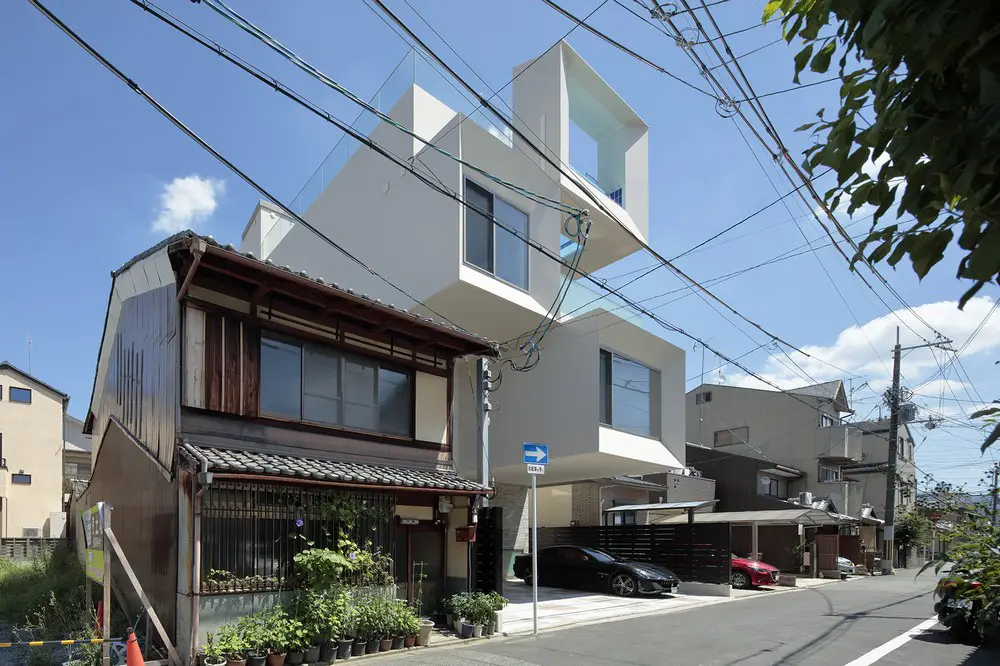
point(751, 573)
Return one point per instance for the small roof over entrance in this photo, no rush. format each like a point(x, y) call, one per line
point(668, 506)
point(803, 516)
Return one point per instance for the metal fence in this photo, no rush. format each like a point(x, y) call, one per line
point(251, 532)
point(28, 549)
point(696, 553)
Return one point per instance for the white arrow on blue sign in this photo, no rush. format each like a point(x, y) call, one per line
point(535, 454)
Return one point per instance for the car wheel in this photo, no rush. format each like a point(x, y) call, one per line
point(624, 585)
point(740, 580)
point(527, 578)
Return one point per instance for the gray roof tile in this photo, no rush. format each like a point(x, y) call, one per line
point(239, 461)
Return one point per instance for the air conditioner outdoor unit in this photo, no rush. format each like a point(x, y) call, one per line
point(806, 498)
point(31, 532)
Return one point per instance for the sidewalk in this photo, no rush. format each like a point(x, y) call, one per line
point(558, 608)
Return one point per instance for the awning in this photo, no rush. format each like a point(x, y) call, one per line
point(229, 463)
point(803, 516)
point(668, 506)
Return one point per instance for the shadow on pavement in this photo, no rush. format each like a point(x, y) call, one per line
point(981, 656)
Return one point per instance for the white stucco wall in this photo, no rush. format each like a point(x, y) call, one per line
point(32, 444)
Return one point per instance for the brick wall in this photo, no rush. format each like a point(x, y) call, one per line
point(515, 501)
point(586, 504)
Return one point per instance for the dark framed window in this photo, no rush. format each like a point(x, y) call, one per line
point(19, 394)
point(620, 518)
point(630, 395)
point(826, 421)
point(20, 479)
point(317, 384)
point(490, 246)
point(829, 474)
point(732, 436)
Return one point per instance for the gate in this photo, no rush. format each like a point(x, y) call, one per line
point(696, 553)
point(489, 572)
point(827, 551)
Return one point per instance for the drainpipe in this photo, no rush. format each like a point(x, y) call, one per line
point(204, 479)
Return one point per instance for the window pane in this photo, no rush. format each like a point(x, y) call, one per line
point(280, 378)
point(321, 385)
point(511, 251)
point(631, 396)
point(478, 228)
point(18, 394)
point(393, 402)
point(360, 406)
point(605, 387)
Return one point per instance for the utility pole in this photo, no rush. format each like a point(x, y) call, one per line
point(890, 478)
point(483, 377)
point(701, 382)
point(996, 491)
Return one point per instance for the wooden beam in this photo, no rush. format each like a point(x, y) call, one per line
point(197, 252)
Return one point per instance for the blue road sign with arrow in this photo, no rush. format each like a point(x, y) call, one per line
point(535, 454)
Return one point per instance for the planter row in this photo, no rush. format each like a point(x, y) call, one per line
point(332, 651)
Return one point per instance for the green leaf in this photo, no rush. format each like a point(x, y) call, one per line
point(801, 58)
point(991, 438)
point(771, 8)
point(984, 412)
point(802, 128)
point(853, 164)
point(821, 62)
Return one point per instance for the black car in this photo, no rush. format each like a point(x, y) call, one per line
point(593, 569)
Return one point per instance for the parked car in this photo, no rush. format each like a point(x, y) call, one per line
point(747, 573)
point(846, 566)
point(592, 569)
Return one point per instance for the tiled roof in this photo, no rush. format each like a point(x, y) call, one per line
point(826, 390)
point(238, 461)
point(333, 286)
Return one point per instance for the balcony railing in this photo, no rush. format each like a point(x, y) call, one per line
point(584, 298)
point(414, 69)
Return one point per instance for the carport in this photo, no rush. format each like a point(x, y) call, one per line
point(803, 517)
point(663, 510)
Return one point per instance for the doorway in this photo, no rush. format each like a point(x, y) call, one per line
point(420, 566)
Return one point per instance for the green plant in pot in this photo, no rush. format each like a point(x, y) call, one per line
point(253, 631)
point(232, 644)
point(479, 613)
point(313, 610)
point(297, 641)
point(411, 625)
point(212, 652)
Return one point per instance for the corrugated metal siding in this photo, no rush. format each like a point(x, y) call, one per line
point(140, 381)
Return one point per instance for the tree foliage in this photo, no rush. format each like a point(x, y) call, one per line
point(931, 73)
point(911, 530)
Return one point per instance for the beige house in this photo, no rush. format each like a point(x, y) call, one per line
point(76, 454)
point(31, 455)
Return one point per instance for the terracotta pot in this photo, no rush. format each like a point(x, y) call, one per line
point(276, 659)
point(410, 640)
point(236, 662)
point(385, 645)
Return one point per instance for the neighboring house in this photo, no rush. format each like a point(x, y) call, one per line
point(241, 411)
point(801, 428)
point(76, 454)
point(872, 472)
point(607, 395)
point(31, 450)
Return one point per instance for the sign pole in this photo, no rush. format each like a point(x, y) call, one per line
point(105, 521)
point(534, 557)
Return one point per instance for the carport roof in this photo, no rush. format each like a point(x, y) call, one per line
point(679, 506)
point(803, 516)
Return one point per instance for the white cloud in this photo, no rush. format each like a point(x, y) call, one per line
point(855, 349)
point(187, 202)
point(871, 169)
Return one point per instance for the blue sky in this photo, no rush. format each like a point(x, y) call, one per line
point(91, 175)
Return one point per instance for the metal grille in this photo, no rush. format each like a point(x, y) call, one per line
point(250, 532)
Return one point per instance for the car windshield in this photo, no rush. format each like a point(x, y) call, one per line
point(601, 556)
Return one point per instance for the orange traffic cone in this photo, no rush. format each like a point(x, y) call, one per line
point(133, 656)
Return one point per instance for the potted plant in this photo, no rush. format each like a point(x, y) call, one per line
point(498, 602)
point(411, 625)
point(478, 613)
point(232, 645)
point(273, 636)
point(212, 652)
point(458, 604)
point(424, 632)
point(297, 641)
point(253, 632)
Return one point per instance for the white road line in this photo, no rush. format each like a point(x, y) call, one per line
point(873, 656)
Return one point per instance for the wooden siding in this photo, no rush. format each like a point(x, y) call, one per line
point(221, 363)
point(144, 518)
point(735, 476)
point(141, 382)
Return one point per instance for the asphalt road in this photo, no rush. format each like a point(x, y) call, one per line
point(841, 624)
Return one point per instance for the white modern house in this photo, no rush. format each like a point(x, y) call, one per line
point(607, 395)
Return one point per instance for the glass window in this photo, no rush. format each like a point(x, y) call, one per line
point(321, 385)
point(394, 402)
point(630, 395)
point(825, 420)
point(18, 394)
point(280, 378)
point(21, 479)
point(732, 436)
point(478, 227)
point(511, 255)
point(360, 398)
point(829, 474)
point(491, 246)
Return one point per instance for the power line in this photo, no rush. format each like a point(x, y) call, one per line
point(583, 23)
point(218, 156)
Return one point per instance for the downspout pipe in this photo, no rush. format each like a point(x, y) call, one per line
point(204, 479)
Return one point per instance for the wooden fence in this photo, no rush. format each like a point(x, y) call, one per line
point(696, 553)
point(27, 549)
